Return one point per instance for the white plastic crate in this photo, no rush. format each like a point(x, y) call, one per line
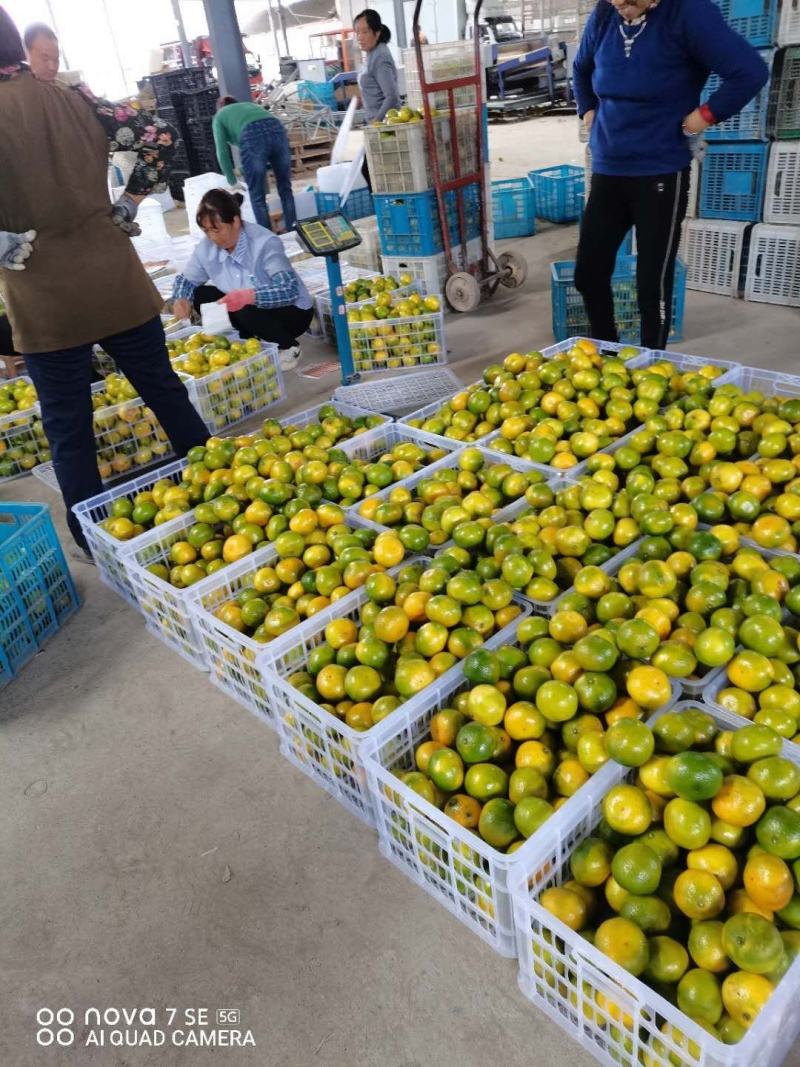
point(228, 396)
point(683, 362)
point(441, 62)
point(431, 409)
point(399, 158)
point(102, 362)
point(308, 415)
point(167, 610)
point(231, 657)
point(712, 250)
point(773, 267)
point(789, 24)
point(325, 305)
point(396, 395)
point(604, 347)
point(768, 382)
point(108, 552)
point(369, 446)
point(23, 445)
point(694, 190)
point(127, 435)
point(395, 344)
point(367, 255)
point(320, 744)
point(782, 197)
point(431, 271)
point(489, 459)
point(617, 1017)
point(453, 864)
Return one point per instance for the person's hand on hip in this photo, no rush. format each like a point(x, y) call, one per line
point(238, 299)
point(15, 248)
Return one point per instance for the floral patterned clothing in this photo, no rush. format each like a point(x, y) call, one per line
point(152, 139)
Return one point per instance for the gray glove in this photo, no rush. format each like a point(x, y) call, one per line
point(123, 213)
point(15, 248)
point(697, 146)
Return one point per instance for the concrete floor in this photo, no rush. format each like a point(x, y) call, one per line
point(158, 852)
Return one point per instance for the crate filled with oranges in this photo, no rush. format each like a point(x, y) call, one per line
point(383, 649)
point(263, 600)
point(126, 431)
point(23, 444)
point(228, 379)
point(660, 920)
point(410, 334)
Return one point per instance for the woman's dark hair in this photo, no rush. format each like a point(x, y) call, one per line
point(38, 29)
point(11, 50)
point(218, 205)
point(225, 100)
point(373, 20)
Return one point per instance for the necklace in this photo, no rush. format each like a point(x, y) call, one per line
point(629, 42)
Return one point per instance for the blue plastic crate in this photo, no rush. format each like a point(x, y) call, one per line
point(320, 94)
point(569, 314)
point(751, 122)
point(37, 594)
point(559, 192)
point(732, 181)
point(357, 206)
point(513, 208)
point(408, 223)
point(753, 19)
point(5, 669)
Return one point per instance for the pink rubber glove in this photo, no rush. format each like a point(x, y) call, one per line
point(238, 299)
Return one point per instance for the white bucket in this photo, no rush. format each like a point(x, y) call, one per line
point(151, 220)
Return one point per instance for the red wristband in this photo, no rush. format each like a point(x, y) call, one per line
point(707, 114)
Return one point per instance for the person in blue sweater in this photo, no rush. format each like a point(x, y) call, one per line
point(638, 75)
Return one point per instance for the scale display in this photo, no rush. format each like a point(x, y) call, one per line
point(328, 235)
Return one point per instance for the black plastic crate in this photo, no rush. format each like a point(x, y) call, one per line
point(176, 81)
point(200, 104)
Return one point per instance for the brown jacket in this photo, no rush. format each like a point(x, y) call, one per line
point(83, 280)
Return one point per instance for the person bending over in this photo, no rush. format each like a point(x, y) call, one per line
point(243, 266)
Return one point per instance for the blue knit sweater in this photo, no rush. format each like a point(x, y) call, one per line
point(641, 101)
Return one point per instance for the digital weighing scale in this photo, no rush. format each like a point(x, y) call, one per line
point(327, 236)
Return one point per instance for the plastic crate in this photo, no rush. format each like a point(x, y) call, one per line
point(431, 271)
point(108, 552)
point(389, 344)
point(682, 361)
point(370, 446)
point(232, 657)
point(357, 206)
point(176, 82)
point(396, 396)
point(753, 19)
point(23, 445)
point(587, 994)
point(127, 435)
point(610, 348)
point(320, 744)
point(228, 396)
point(309, 415)
point(558, 192)
point(37, 594)
point(750, 124)
point(773, 268)
point(713, 251)
point(409, 224)
point(320, 94)
point(200, 105)
point(460, 870)
point(569, 314)
point(441, 62)
point(102, 363)
point(768, 382)
point(789, 24)
point(367, 255)
point(399, 157)
point(513, 207)
point(782, 198)
point(694, 190)
point(732, 181)
point(325, 309)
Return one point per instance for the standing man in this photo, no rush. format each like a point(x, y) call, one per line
point(263, 142)
point(71, 277)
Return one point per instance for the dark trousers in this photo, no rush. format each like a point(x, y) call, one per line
point(281, 326)
point(6, 340)
point(366, 173)
point(63, 381)
point(265, 143)
point(656, 207)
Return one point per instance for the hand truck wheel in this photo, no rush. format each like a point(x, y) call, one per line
point(462, 291)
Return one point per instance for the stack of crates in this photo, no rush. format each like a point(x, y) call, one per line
point(746, 238)
point(169, 89)
point(401, 168)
